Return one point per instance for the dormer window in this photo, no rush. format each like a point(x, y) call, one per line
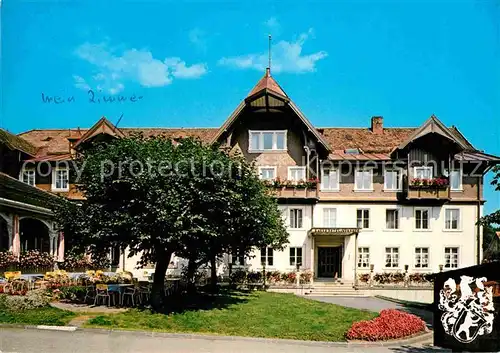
point(260, 141)
point(27, 176)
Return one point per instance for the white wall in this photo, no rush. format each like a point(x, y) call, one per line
point(377, 238)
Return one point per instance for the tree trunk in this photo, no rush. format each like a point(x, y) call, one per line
point(158, 289)
point(191, 271)
point(213, 270)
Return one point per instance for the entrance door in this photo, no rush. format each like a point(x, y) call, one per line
point(329, 260)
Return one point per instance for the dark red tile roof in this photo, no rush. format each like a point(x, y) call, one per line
point(269, 83)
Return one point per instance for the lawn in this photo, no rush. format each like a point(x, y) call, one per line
point(40, 316)
point(256, 314)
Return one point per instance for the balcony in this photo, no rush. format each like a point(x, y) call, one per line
point(428, 189)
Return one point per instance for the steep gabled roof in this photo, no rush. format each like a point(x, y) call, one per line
point(15, 142)
point(267, 83)
point(268, 87)
point(434, 125)
point(103, 126)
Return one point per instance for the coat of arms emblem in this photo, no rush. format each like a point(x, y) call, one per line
point(468, 308)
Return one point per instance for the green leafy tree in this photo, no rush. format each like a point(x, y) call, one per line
point(491, 225)
point(157, 197)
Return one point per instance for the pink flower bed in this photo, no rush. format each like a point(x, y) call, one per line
point(390, 324)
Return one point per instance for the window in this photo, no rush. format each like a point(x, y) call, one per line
point(296, 173)
point(451, 257)
point(295, 218)
point(329, 179)
point(267, 173)
point(391, 257)
point(451, 218)
point(295, 256)
point(422, 219)
point(267, 141)
point(392, 219)
point(456, 180)
point(28, 176)
point(363, 218)
point(363, 257)
point(422, 172)
point(60, 179)
point(266, 256)
point(421, 257)
point(237, 260)
point(363, 180)
point(392, 179)
point(329, 217)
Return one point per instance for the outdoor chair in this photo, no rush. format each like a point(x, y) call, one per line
point(89, 293)
point(132, 293)
point(102, 292)
point(144, 293)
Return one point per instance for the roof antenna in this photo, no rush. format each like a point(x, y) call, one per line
point(269, 66)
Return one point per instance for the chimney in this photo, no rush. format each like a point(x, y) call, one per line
point(378, 125)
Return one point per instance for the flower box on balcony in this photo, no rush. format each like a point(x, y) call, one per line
point(428, 192)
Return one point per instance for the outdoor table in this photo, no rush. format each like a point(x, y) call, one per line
point(119, 288)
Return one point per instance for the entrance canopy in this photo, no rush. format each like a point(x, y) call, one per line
point(333, 231)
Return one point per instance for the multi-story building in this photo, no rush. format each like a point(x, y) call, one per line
point(387, 198)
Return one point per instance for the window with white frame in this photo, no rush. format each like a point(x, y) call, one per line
point(392, 179)
point(267, 173)
point(422, 218)
point(451, 257)
point(391, 257)
point(296, 218)
point(392, 219)
point(267, 140)
point(363, 257)
point(422, 172)
point(452, 219)
point(329, 179)
point(60, 178)
point(267, 256)
point(296, 173)
point(295, 256)
point(421, 257)
point(237, 259)
point(329, 217)
point(28, 176)
point(455, 179)
point(363, 218)
point(363, 179)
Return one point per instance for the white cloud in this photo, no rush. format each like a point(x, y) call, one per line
point(286, 57)
point(114, 70)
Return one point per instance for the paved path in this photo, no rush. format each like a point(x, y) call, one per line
point(375, 304)
point(41, 341)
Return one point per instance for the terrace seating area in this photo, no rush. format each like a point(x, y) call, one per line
point(91, 287)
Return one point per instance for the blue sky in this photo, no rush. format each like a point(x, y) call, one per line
point(341, 62)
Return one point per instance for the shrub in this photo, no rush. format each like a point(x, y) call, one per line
point(273, 276)
point(33, 299)
point(34, 259)
point(390, 324)
point(238, 277)
point(73, 293)
point(397, 277)
point(8, 260)
point(305, 276)
point(290, 277)
point(254, 277)
point(364, 277)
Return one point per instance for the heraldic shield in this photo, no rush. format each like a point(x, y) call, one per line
point(466, 308)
